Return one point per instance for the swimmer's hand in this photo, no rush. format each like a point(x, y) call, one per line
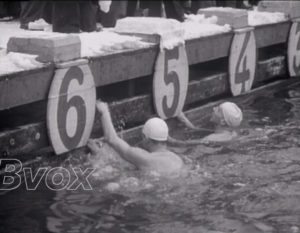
point(102, 107)
point(94, 145)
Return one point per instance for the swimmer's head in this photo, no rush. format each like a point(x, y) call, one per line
point(227, 113)
point(156, 129)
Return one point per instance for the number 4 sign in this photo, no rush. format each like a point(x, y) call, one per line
point(170, 82)
point(71, 107)
point(242, 61)
point(294, 49)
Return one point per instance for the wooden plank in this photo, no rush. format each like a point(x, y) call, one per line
point(25, 87)
point(23, 140)
point(208, 48)
point(123, 66)
point(134, 111)
point(271, 34)
point(270, 69)
point(209, 87)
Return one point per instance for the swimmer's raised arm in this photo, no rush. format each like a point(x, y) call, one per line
point(183, 118)
point(134, 155)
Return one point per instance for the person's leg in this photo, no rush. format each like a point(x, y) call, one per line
point(131, 7)
point(197, 4)
point(117, 11)
point(220, 3)
point(88, 15)
point(3, 9)
point(65, 17)
point(153, 6)
point(31, 11)
point(13, 8)
point(174, 10)
point(231, 3)
point(47, 13)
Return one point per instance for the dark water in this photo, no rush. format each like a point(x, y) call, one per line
point(249, 185)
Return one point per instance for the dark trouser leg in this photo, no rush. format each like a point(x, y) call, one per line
point(3, 9)
point(230, 3)
point(117, 11)
point(153, 6)
point(131, 7)
point(47, 14)
point(65, 16)
point(88, 12)
point(31, 11)
point(197, 4)
point(14, 8)
point(174, 10)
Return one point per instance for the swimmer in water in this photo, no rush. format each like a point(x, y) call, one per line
point(227, 117)
point(156, 156)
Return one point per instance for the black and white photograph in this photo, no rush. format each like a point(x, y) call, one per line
point(139, 116)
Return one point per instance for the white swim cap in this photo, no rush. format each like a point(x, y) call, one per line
point(233, 115)
point(156, 129)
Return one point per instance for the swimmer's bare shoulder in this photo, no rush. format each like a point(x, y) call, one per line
point(162, 162)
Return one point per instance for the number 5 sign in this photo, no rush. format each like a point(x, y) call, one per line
point(294, 49)
point(71, 108)
point(242, 61)
point(170, 82)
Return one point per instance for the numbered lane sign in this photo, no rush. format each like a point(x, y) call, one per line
point(71, 108)
point(294, 49)
point(170, 82)
point(242, 61)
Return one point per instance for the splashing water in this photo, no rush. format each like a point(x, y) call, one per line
point(249, 185)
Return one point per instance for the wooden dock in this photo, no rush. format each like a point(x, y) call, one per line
point(132, 71)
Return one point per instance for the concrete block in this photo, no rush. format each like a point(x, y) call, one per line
point(290, 8)
point(49, 49)
point(236, 18)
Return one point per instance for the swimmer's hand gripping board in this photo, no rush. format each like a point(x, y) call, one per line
point(242, 61)
point(294, 49)
point(170, 82)
point(71, 107)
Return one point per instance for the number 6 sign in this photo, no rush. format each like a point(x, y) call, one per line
point(242, 61)
point(294, 49)
point(170, 82)
point(71, 108)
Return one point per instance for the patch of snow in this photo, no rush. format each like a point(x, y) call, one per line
point(196, 26)
point(171, 31)
point(222, 9)
point(12, 29)
point(40, 24)
point(97, 43)
point(16, 62)
point(256, 18)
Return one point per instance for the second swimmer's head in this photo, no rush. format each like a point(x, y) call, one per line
point(228, 114)
point(156, 129)
point(156, 133)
